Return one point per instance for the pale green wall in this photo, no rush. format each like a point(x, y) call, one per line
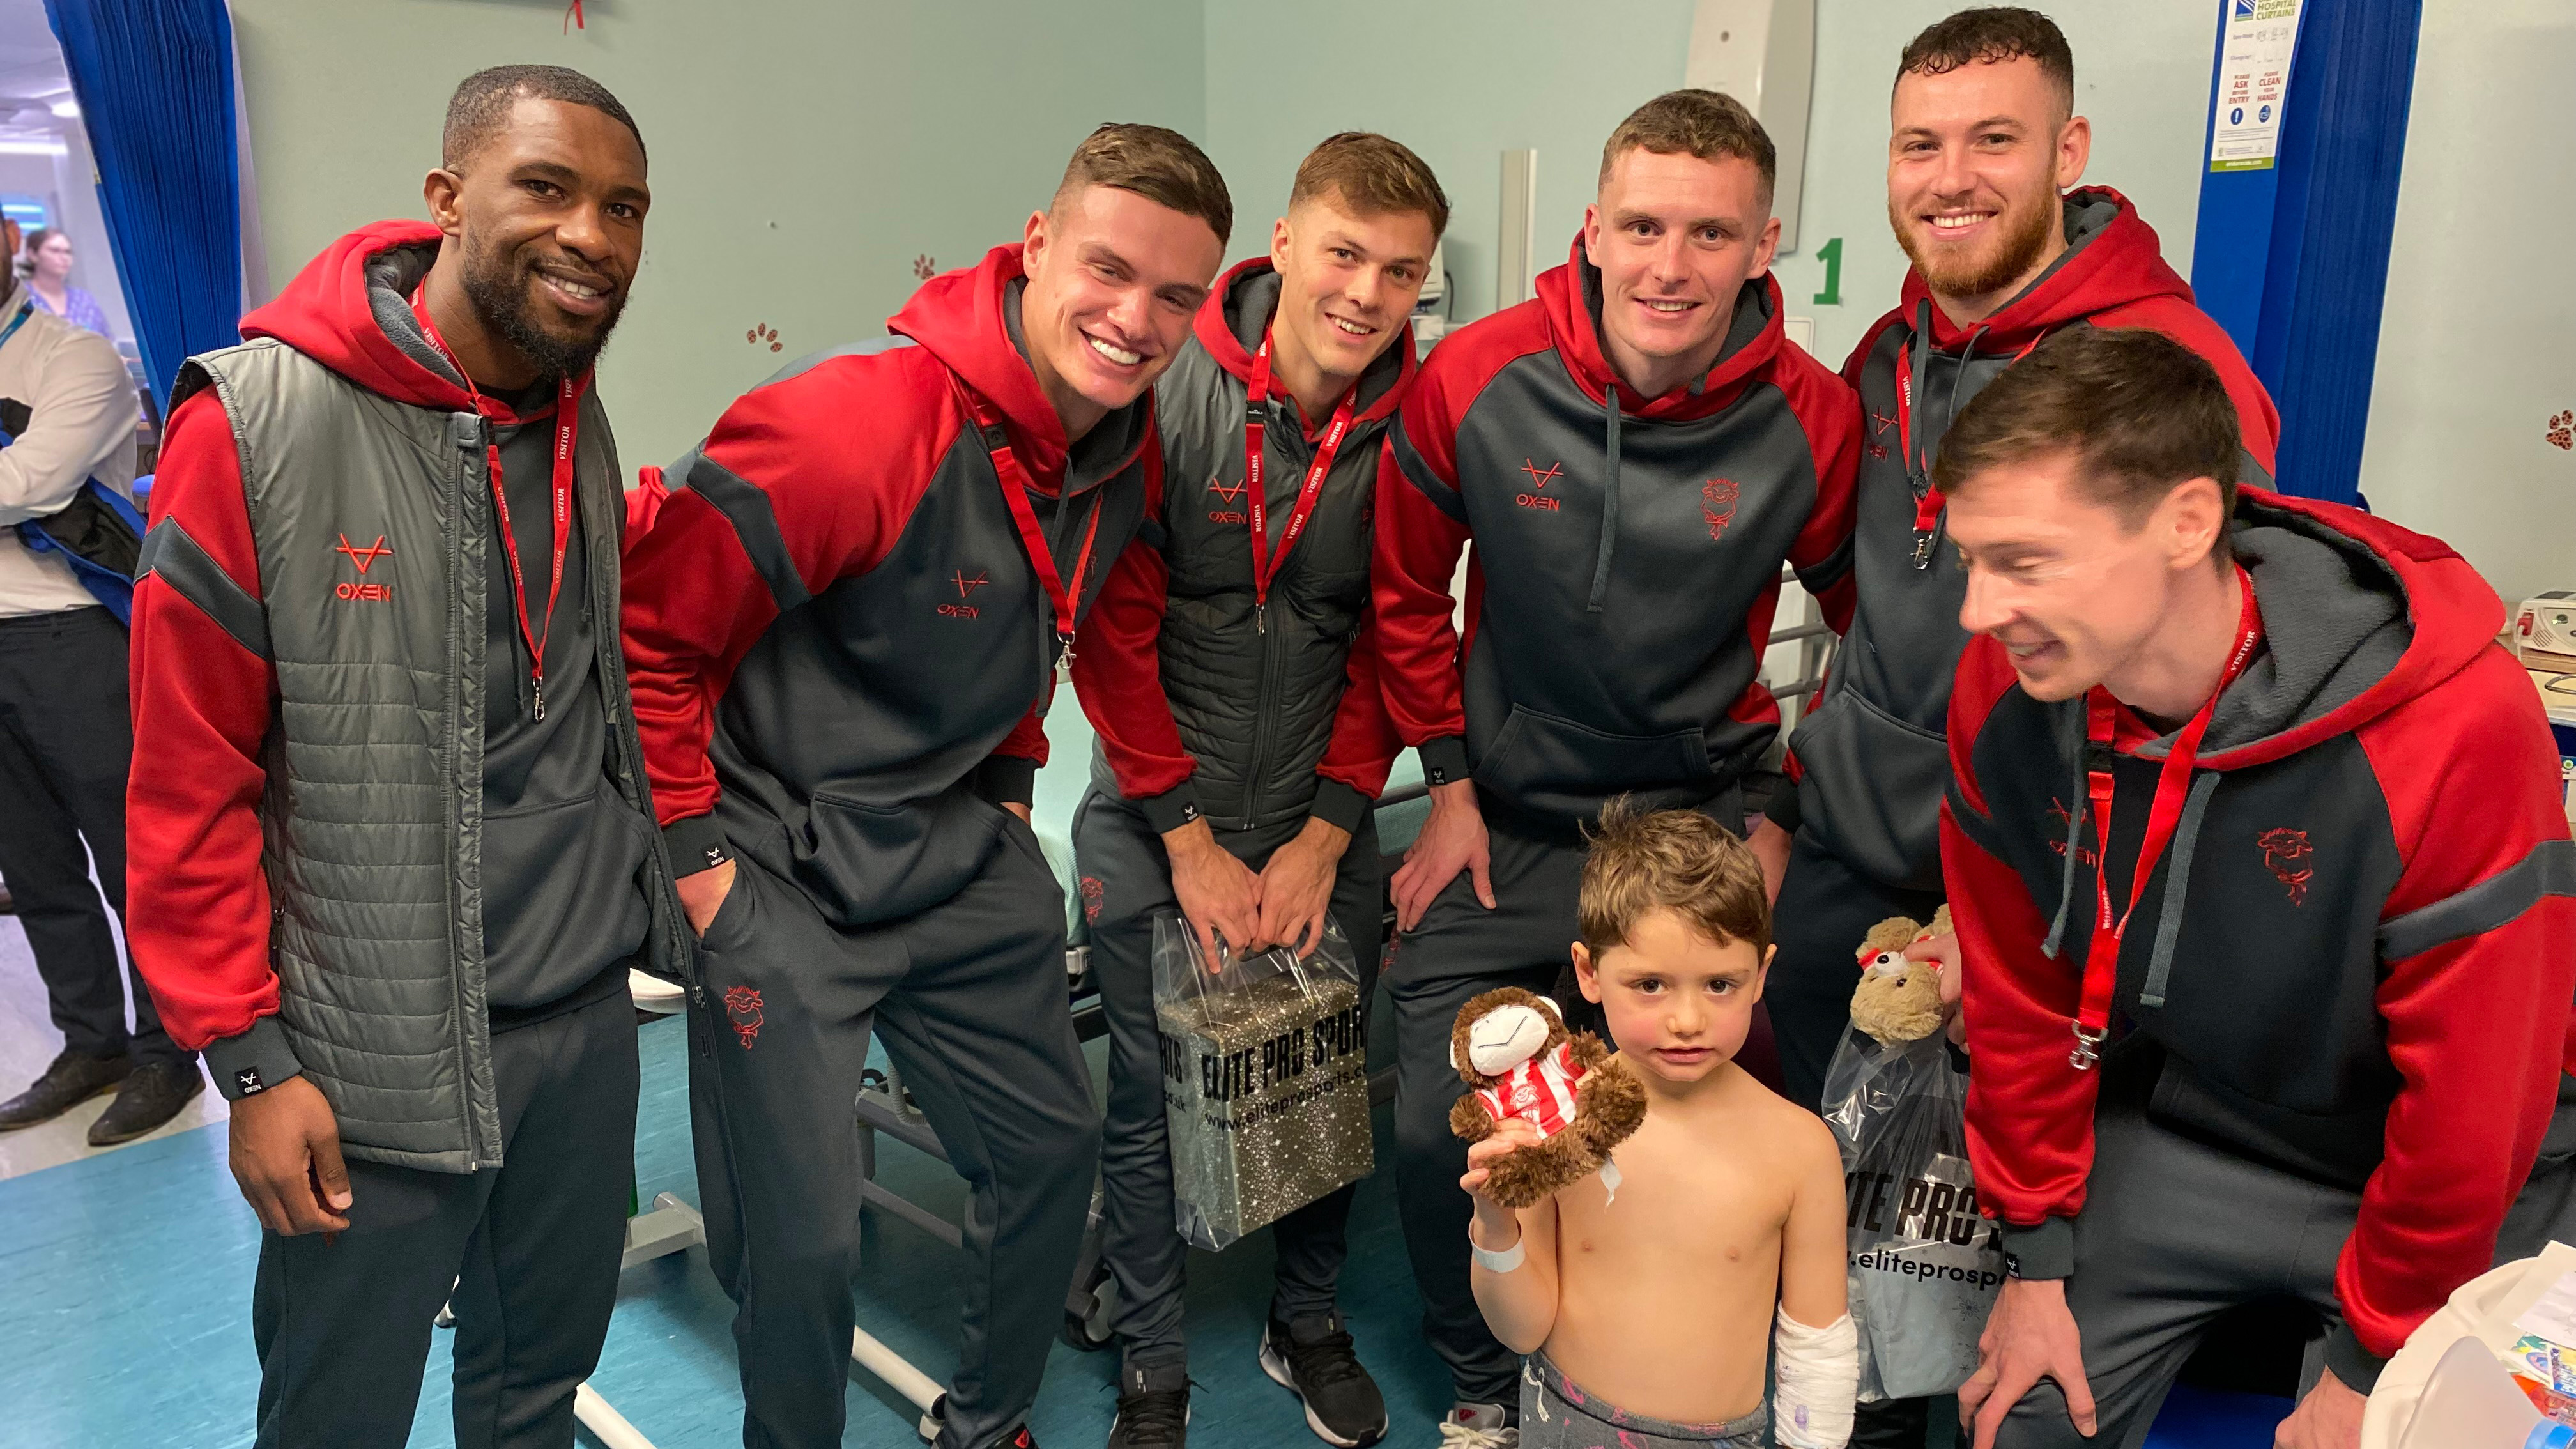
point(802, 153)
point(1462, 80)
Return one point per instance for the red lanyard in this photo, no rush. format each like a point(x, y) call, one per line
point(1265, 564)
point(1015, 492)
point(1927, 509)
point(2102, 958)
point(567, 428)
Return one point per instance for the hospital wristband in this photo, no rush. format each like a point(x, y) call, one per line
point(1506, 1261)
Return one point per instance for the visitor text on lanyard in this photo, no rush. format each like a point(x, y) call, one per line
point(1265, 563)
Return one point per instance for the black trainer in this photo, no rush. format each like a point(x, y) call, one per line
point(153, 1094)
point(70, 1081)
point(1313, 1359)
point(1153, 1407)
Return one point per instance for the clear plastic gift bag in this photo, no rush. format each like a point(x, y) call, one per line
point(1265, 1080)
point(1924, 1265)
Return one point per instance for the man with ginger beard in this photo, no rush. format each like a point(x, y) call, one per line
point(846, 627)
point(385, 541)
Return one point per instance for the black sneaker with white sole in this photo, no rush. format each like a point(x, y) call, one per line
point(1153, 1407)
point(1313, 1359)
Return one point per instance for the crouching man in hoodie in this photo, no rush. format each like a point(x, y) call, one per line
point(1243, 741)
point(1635, 452)
point(392, 852)
point(846, 624)
point(2264, 895)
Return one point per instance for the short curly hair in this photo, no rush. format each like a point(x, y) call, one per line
point(1677, 860)
point(484, 100)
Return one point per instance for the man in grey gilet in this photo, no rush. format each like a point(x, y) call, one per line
point(392, 850)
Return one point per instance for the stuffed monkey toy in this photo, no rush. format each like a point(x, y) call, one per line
point(1513, 1051)
point(1898, 1000)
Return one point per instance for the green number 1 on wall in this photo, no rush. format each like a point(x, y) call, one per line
point(1831, 254)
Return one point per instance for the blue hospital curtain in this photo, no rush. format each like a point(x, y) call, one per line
point(155, 83)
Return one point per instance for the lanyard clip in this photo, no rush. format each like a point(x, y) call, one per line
point(537, 708)
point(1923, 538)
point(1063, 650)
point(2087, 1051)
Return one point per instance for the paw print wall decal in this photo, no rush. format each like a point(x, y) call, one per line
point(925, 267)
point(763, 333)
point(2562, 430)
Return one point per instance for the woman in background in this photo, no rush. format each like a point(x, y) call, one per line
point(48, 268)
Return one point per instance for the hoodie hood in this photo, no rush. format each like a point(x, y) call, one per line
point(2359, 616)
point(350, 310)
point(2112, 259)
point(1569, 298)
point(962, 318)
point(1232, 323)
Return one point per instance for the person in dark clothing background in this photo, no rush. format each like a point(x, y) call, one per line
point(386, 541)
point(65, 735)
point(1243, 738)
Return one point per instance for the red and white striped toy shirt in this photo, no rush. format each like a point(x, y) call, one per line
point(1539, 1091)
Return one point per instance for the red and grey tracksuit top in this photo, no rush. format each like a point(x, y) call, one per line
point(839, 646)
point(1867, 757)
point(2353, 963)
point(1207, 700)
point(1627, 557)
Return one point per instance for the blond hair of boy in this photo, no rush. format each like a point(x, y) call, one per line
point(1662, 1296)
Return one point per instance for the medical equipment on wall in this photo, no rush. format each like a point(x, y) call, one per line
point(1431, 308)
point(1763, 53)
point(2544, 630)
point(1516, 253)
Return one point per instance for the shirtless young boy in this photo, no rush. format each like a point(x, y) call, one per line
point(1660, 1300)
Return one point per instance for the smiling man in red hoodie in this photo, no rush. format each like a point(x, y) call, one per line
point(1635, 453)
point(2266, 902)
point(392, 854)
point(845, 626)
point(1983, 160)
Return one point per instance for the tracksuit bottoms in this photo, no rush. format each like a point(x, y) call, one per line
point(528, 1255)
point(1126, 883)
point(968, 998)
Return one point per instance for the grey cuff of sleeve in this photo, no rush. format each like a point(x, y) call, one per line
point(1339, 804)
point(1172, 809)
point(1008, 779)
point(2355, 1365)
point(252, 1062)
point(1444, 760)
point(1782, 808)
point(696, 843)
point(2044, 1251)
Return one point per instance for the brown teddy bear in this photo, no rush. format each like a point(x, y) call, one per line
point(1898, 1000)
point(1512, 1049)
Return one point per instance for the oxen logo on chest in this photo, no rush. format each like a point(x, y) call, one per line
point(1717, 500)
point(357, 591)
point(966, 584)
point(1539, 479)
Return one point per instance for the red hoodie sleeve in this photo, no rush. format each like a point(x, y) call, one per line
point(2478, 951)
point(1118, 675)
point(1421, 527)
point(769, 511)
point(2030, 1119)
point(197, 904)
point(1829, 411)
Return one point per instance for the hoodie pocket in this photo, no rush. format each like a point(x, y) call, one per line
point(869, 863)
point(1871, 791)
point(1554, 765)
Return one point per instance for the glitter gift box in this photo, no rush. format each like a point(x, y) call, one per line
point(1265, 1081)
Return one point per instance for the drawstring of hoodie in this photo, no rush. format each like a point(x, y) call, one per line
point(2074, 838)
point(2160, 965)
point(1609, 508)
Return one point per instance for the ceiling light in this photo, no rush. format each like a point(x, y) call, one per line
point(67, 107)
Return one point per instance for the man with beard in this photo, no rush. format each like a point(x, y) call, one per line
point(1635, 452)
point(1243, 739)
point(392, 848)
point(846, 624)
point(1984, 150)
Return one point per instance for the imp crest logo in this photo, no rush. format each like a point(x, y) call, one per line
point(1717, 500)
point(364, 558)
point(2291, 860)
point(742, 1008)
point(1092, 895)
